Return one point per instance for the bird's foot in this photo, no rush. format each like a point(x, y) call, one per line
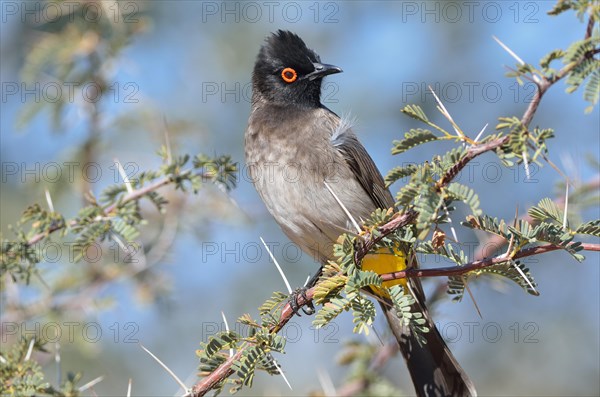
point(308, 308)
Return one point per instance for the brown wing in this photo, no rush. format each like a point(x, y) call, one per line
point(364, 168)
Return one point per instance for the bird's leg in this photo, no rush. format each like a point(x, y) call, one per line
point(309, 308)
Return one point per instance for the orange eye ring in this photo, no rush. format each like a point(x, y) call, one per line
point(289, 75)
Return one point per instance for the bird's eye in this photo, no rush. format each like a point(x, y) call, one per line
point(289, 75)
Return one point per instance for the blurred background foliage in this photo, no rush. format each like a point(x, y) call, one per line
point(90, 82)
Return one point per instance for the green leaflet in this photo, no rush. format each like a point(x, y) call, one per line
point(465, 194)
point(330, 310)
point(399, 172)
point(409, 312)
point(488, 224)
point(416, 112)
point(592, 228)
point(413, 138)
point(363, 312)
point(546, 209)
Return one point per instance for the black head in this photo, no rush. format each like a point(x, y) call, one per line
point(287, 72)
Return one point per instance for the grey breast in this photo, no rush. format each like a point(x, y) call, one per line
point(290, 162)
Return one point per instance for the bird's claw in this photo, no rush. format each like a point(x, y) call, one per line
point(308, 308)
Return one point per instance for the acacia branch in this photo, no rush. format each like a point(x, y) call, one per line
point(139, 193)
point(479, 264)
point(542, 84)
point(224, 370)
point(497, 241)
point(369, 240)
point(132, 196)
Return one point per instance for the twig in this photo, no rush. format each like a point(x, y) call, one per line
point(479, 264)
point(397, 222)
point(224, 370)
point(590, 27)
point(471, 153)
point(542, 86)
point(133, 195)
point(497, 241)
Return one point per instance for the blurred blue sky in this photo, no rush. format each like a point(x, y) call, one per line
point(390, 52)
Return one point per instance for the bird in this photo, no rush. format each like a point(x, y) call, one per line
point(315, 177)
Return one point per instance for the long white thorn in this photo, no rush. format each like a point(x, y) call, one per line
point(472, 297)
point(453, 232)
point(410, 289)
point(57, 361)
point(91, 383)
point(374, 339)
point(511, 52)
point(507, 255)
point(129, 387)
point(167, 141)
point(446, 113)
point(49, 200)
point(307, 280)
point(524, 276)
point(514, 55)
point(526, 163)
point(566, 205)
point(226, 329)
point(450, 221)
point(285, 280)
point(119, 242)
point(326, 383)
point(175, 377)
point(30, 349)
point(509, 249)
point(348, 214)
point(124, 176)
point(282, 374)
point(440, 104)
point(481, 132)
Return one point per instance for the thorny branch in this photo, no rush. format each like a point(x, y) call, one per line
point(132, 196)
point(224, 371)
point(479, 264)
point(403, 219)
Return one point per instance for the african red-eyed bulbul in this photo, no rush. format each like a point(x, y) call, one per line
point(296, 150)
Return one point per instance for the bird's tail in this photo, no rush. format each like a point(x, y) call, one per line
point(433, 368)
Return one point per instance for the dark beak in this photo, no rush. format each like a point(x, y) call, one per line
point(322, 70)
